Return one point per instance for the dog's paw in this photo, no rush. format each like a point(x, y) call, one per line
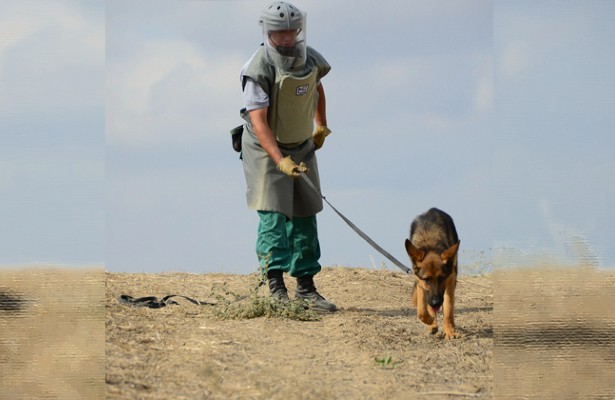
point(452, 335)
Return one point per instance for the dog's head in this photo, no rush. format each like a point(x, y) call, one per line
point(433, 270)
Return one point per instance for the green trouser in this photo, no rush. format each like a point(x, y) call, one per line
point(290, 245)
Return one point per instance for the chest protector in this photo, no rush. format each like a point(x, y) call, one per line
point(292, 105)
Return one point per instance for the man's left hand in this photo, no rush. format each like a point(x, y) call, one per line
point(319, 135)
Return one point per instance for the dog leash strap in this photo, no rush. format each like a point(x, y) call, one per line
point(357, 230)
point(154, 302)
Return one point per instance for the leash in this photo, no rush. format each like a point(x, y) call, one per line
point(357, 230)
point(154, 302)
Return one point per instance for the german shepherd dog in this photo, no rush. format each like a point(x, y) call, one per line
point(433, 247)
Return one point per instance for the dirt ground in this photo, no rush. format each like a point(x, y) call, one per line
point(373, 348)
point(528, 333)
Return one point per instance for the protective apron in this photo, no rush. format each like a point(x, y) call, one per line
point(292, 104)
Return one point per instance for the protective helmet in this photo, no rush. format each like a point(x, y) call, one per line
point(282, 16)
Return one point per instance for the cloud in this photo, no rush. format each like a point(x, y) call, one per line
point(436, 93)
point(51, 56)
point(483, 100)
point(530, 34)
point(514, 60)
point(482, 80)
point(169, 91)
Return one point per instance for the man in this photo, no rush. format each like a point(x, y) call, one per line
point(283, 97)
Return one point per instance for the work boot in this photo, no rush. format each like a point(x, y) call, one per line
point(307, 291)
point(277, 288)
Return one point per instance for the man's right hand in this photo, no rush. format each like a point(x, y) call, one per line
point(288, 166)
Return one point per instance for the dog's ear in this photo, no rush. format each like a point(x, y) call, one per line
point(449, 253)
point(415, 254)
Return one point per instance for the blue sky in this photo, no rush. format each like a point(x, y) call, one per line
point(115, 150)
point(52, 137)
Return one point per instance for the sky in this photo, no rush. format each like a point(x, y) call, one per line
point(115, 151)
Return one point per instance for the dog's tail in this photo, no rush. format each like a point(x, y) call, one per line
point(414, 294)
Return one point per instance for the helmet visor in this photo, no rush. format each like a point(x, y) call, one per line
point(285, 45)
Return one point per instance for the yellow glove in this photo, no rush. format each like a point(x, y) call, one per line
point(288, 166)
point(319, 135)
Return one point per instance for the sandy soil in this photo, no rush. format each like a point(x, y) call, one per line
point(373, 348)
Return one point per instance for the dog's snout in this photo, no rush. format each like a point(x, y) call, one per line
point(435, 301)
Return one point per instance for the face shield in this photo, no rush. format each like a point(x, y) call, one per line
point(284, 35)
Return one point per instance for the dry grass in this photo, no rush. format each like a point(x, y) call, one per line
point(550, 337)
point(374, 347)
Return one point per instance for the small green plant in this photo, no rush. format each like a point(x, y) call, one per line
point(386, 362)
point(258, 306)
point(264, 266)
point(222, 293)
point(254, 306)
